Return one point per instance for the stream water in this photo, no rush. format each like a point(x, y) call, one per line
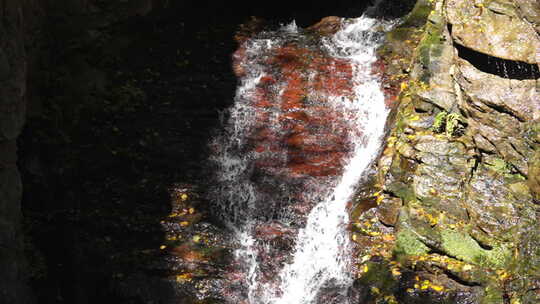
point(293, 150)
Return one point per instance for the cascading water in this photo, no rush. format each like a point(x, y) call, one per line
point(299, 139)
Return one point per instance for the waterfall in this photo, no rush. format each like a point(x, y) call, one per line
point(322, 249)
point(254, 196)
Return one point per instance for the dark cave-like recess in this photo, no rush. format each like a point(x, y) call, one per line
point(504, 68)
point(305, 13)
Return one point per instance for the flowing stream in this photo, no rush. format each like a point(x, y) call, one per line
point(286, 256)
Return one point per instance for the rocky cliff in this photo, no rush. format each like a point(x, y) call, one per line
point(116, 129)
point(455, 202)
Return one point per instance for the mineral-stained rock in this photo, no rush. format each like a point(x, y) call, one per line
point(272, 231)
point(298, 134)
point(301, 131)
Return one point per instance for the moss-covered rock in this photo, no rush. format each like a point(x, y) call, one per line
point(407, 243)
point(462, 157)
point(464, 247)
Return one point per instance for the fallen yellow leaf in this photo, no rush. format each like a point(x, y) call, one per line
point(437, 288)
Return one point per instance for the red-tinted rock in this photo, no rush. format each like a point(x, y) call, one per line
point(298, 131)
point(272, 231)
point(327, 26)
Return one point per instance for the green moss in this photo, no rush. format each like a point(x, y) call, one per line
point(400, 34)
point(453, 124)
point(493, 294)
point(464, 247)
point(430, 47)
point(402, 191)
point(439, 124)
point(501, 166)
point(402, 40)
point(407, 244)
point(532, 133)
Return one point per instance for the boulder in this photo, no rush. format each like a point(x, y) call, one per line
point(327, 26)
point(495, 28)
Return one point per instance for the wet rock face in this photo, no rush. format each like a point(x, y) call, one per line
point(298, 134)
point(458, 207)
point(299, 138)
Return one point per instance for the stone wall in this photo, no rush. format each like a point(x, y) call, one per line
point(25, 37)
point(12, 117)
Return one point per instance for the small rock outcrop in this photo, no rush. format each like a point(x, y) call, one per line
point(498, 28)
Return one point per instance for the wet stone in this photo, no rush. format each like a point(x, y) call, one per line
point(389, 210)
